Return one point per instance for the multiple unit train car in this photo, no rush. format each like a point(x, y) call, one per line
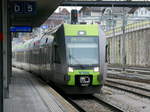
point(72, 57)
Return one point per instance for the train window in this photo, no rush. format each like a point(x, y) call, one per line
point(37, 43)
point(42, 41)
point(46, 40)
point(31, 44)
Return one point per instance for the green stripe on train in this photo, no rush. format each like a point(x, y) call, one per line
point(73, 30)
point(95, 75)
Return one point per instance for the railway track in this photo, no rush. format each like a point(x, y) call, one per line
point(140, 91)
point(87, 103)
point(131, 73)
point(144, 71)
point(91, 103)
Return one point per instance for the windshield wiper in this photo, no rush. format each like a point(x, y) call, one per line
point(70, 56)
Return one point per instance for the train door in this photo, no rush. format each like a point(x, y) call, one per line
point(56, 62)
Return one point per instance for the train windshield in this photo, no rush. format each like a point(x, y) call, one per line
point(82, 50)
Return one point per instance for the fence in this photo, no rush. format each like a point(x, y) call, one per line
point(128, 28)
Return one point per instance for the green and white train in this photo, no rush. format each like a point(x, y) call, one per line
point(72, 57)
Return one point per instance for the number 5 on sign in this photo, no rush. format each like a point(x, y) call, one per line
point(30, 8)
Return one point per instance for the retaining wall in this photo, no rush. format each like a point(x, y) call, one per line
point(137, 48)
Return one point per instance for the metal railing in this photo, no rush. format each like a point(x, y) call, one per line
point(129, 28)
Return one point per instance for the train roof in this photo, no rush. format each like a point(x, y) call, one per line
point(32, 43)
point(74, 29)
point(69, 30)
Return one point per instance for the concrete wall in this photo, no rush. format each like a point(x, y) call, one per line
point(137, 47)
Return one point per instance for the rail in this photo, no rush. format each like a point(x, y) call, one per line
point(88, 102)
point(128, 88)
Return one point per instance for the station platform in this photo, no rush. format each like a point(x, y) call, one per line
point(30, 94)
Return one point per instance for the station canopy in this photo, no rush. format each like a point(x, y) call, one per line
point(108, 0)
point(31, 12)
point(44, 8)
point(115, 3)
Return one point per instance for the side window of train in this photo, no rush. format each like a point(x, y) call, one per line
point(46, 40)
point(42, 41)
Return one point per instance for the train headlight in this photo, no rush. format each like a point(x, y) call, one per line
point(70, 69)
point(96, 69)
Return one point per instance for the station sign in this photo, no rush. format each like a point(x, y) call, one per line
point(23, 7)
point(21, 29)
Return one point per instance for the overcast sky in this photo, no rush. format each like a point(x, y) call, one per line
point(68, 8)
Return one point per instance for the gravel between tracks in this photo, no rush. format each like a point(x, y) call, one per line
point(138, 84)
point(129, 76)
point(124, 100)
point(90, 105)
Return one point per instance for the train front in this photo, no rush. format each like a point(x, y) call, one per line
point(83, 58)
